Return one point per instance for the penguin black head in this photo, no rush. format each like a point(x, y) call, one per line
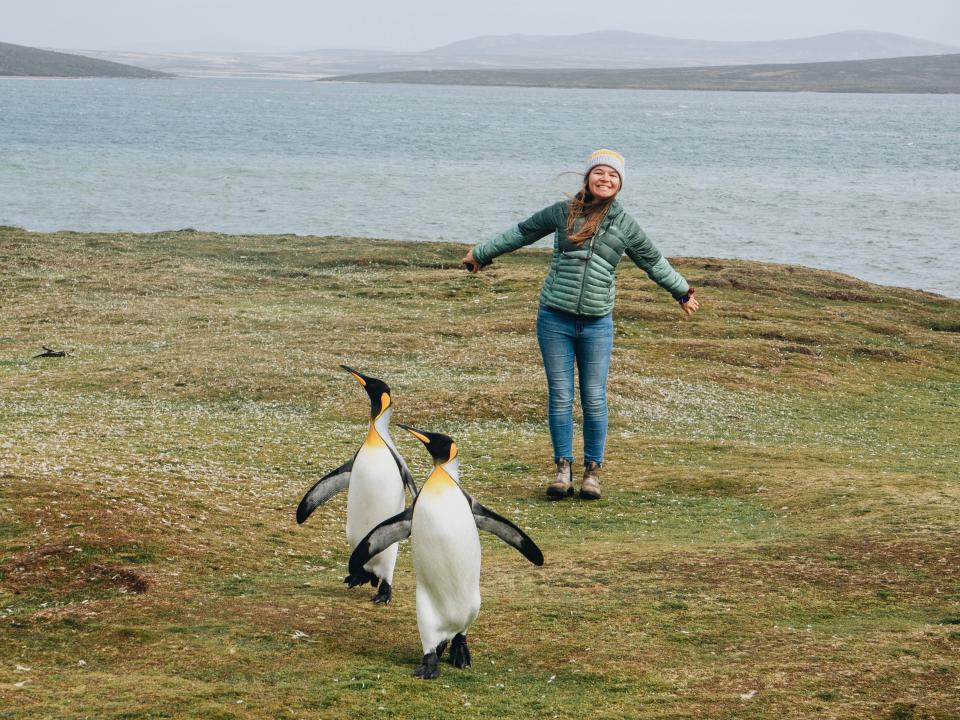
point(441, 447)
point(377, 389)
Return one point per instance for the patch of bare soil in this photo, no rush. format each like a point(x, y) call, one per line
point(64, 569)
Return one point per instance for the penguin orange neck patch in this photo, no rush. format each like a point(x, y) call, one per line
point(438, 482)
point(373, 438)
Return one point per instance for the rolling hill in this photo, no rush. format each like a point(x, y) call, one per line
point(597, 50)
point(635, 50)
point(23, 61)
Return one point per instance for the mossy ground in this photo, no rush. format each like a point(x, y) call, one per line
point(778, 535)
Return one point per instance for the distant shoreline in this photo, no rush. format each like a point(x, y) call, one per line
point(7, 231)
point(83, 77)
point(339, 81)
point(926, 75)
point(30, 62)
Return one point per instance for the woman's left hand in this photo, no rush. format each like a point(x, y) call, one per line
point(470, 263)
point(690, 306)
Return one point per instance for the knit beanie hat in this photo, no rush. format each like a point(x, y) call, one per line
point(609, 158)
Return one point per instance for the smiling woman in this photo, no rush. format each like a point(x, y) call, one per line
point(574, 322)
point(605, 172)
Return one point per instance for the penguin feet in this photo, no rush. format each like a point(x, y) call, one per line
point(459, 652)
point(430, 667)
point(384, 594)
point(362, 577)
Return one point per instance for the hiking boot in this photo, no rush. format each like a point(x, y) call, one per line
point(563, 486)
point(590, 488)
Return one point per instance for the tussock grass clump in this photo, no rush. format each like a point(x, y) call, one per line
point(778, 534)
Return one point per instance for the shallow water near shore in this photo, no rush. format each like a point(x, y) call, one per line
point(863, 184)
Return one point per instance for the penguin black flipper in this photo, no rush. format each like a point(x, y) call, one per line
point(325, 488)
point(392, 530)
point(405, 474)
point(505, 530)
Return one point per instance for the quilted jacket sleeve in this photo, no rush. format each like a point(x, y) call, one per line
point(646, 256)
point(529, 231)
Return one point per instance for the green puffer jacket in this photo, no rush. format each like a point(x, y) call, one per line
point(581, 276)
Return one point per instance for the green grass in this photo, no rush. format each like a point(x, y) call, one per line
point(778, 534)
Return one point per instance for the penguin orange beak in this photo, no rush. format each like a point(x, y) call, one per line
point(416, 433)
point(360, 378)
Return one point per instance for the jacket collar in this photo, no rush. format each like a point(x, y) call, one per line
point(615, 209)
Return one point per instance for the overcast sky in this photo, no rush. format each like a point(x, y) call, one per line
point(291, 25)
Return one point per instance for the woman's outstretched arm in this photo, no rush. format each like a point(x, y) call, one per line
point(529, 231)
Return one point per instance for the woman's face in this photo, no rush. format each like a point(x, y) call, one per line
point(603, 182)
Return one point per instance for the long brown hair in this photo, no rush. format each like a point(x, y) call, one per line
point(592, 210)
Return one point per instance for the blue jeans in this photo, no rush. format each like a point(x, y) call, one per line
point(564, 338)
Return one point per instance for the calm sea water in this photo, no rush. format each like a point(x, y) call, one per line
point(864, 184)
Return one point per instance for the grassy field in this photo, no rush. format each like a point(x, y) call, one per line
point(778, 537)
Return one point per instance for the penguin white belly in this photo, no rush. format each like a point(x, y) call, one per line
point(446, 556)
point(375, 494)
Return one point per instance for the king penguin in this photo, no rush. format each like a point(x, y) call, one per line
point(442, 523)
point(375, 478)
